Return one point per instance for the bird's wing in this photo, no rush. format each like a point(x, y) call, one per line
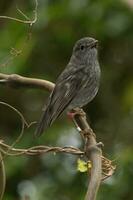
point(65, 90)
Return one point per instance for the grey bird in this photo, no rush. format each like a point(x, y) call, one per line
point(76, 86)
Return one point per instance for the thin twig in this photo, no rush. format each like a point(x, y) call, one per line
point(14, 52)
point(36, 150)
point(23, 121)
point(22, 13)
point(31, 22)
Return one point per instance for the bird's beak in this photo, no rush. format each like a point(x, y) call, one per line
point(96, 41)
point(95, 44)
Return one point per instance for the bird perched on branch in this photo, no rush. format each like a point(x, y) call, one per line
point(76, 86)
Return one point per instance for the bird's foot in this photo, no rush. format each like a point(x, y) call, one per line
point(76, 111)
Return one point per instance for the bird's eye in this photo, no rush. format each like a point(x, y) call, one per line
point(82, 47)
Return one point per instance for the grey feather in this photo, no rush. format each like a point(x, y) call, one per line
point(76, 86)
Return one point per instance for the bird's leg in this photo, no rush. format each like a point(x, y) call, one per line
point(76, 111)
point(73, 113)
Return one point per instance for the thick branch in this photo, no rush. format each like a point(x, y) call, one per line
point(94, 153)
point(15, 81)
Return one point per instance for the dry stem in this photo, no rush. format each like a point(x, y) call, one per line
point(27, 21)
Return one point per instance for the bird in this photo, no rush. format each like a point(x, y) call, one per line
point(76, 86)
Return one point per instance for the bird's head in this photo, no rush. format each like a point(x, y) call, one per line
point(85, 49)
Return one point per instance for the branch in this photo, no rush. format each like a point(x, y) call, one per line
point(92, 149)
point(37, 150)
point(15, 81)
point(92, 152)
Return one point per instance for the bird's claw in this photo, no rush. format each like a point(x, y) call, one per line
point(76, 111)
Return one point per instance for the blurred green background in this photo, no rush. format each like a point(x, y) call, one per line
point(44, 55)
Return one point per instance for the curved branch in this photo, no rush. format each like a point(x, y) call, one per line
point(16, 81)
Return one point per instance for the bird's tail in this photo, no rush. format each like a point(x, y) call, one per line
point(44, 122)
